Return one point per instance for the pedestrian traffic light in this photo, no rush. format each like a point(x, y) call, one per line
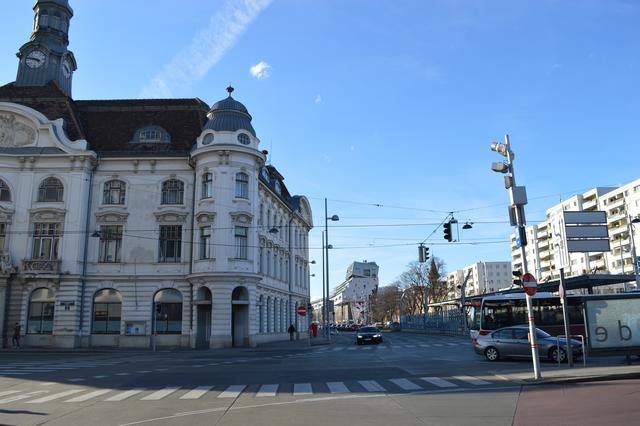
point(423, 253)
point(447, 231)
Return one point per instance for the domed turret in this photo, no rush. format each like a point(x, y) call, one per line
point(229, 115)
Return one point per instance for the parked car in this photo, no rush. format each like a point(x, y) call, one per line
point(368, 335)
point(514, 342)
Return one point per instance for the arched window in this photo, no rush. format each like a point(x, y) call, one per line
point(172, 191)
point(114, 192)
point(5, 192)
point(168, 311)
point(242, 185)
point(151, 135)
point(50, 190)
point(107, 309)
point(207, 185)
point(41, 307)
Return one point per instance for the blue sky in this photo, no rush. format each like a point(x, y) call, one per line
point(371, 102)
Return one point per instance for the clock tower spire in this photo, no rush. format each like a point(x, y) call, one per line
point(45, 57)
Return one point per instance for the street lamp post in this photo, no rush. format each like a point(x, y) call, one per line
point(634, 253)
point(327, 247)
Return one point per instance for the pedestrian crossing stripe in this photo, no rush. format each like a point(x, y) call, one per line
point(234, 391)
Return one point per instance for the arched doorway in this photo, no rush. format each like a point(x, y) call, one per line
point(203, 303)
point(240, 316)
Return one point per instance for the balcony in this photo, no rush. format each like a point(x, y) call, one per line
point(41, 266)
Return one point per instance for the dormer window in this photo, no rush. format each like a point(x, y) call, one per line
point(278, 188)
point(243, 138)
point(265, 174)
point(151, 134)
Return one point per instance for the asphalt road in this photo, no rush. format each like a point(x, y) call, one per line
point(407, 380)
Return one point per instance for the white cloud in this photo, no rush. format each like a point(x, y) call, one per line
point(206, 48)
point(261, 70)
point(318, 99)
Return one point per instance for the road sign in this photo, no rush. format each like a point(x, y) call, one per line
point(517, 232)
point(302, 311)
point(529, 284)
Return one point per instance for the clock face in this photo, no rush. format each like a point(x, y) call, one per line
point(35, 59)
point(66, 68)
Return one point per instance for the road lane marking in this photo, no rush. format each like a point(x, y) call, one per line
point(337, 387)
point(88, 396)
point(267, 390)
point(438, 344)
point(100, 377)
point(441, 383)
point(425, 346)
point(55, 396)
point(77, 379)
point(157, 395)
point(124, 395)
point(144, 371)
point(9, 392)
point(473, 380)
point(123, 374)
point(19, 397)
point(302, 389)
point(406, 384)
point(197, 392)
point(409, 346)
point(371, 386)
point(232, 391)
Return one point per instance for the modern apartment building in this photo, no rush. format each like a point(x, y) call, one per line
point(485, 277)
point(622, 205)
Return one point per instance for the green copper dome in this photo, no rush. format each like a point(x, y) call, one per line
point(229, 115)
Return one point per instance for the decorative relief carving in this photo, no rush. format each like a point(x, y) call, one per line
point(39, 265)
point(47, 215)
point(204, 218)
point(111, 216)
point(241, 217)
point(13, 133)
point(6, 265)
point(171, 216)
point(6, 215)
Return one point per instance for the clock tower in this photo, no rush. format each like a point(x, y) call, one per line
point(45, 57)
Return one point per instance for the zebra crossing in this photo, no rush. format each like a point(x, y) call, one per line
point(270, 390)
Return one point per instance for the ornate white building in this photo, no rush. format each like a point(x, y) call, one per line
point(125, 221)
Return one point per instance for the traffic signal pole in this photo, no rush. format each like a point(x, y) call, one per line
point(520, 221)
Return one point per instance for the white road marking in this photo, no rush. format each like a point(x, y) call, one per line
point(337, 387)
point(77, 379)
point(405, 384)
point(267, 390)
point(123, 374)
point(19, 397)
point(124, 395)
point(162, 369)
point(438, 344)
point(441, 383)
point(144, 371)
point(89, 395)
point(371, 386)
point(9, 392)
point(409, 346)
point(425, 346)
point(453, 344)
point(472, 380)
point(302, 389)
point(232, 391)
point(47, 383)
point(157, 395)
point(55, 396)
point(351, 349)
point(197, 392)
point(99, 377)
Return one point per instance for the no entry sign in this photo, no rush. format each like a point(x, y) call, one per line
point(529, 284)
point(301, 310)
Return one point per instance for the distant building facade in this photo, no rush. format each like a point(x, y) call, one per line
point(351, 298)
point(484, 277)
point(126, 219)
point(622, 205)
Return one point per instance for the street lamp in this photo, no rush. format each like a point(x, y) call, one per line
point(634, 254)
point(333, 218)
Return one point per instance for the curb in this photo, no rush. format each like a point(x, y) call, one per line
point(583, 379)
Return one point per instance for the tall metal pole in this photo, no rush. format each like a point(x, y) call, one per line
point(324, 296)
point(565, 318)
point(633, 250)
point(326, 233)
point(521, 223)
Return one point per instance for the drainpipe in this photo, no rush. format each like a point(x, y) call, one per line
point(86, 245)
point(289, 274)
point(193, 214)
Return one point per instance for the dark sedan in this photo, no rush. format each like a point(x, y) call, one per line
point(368, 335)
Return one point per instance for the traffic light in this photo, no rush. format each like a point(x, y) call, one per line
point(447, 232)
point(423, 253)
point(517, 281)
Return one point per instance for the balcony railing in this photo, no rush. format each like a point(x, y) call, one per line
point(41, 266)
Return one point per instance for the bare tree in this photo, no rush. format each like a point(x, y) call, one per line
point(421, 285)
point(384, 303)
